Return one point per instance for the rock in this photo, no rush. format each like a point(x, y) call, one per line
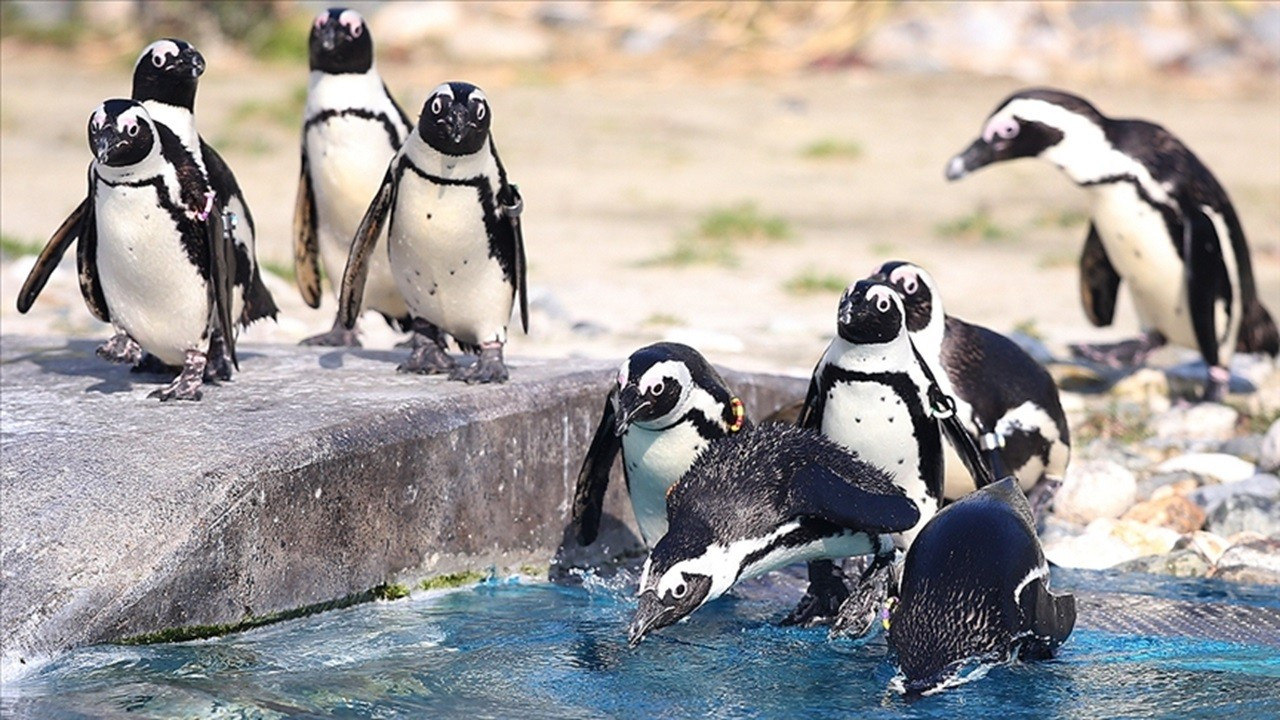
point(1210, 497)
point(1095, 489)
point(1162, 484)
point(1246, 512)
point(1269, 453)
point(1171, 511)
point(1256, 563)
point(1203, 421)
point(1106, 543)
point(1205, 543)
point(1147, 387)
point(1245, 447)
point(1218, 466)
point(1178, 563)
point(1144, 539)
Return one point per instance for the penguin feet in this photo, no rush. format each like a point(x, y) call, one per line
point(219, 360)
point(120, 349)
point(1218, 384)
point(338, 336)
point(488, 368)
point(826, 594)
point(1124, 354)
point(859, 611)
point(428, 359)
point(187, 385)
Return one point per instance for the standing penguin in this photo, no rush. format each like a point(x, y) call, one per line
point(454, 238)
point(1006, 401)
point(153, 259)
point(1160, 222)
point(352, 128)
point(975, 591)
point(754, 502)
point(666, 406)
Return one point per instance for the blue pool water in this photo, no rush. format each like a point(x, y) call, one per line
point(529, 649)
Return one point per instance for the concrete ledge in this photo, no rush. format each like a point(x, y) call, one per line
point(315, 475)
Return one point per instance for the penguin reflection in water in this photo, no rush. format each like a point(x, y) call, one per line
point(1160, 222)
point(975, 592)
point(453, 238)
point(754, 502)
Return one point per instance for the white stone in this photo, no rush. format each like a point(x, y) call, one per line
point(1205, 421)
point(1095, 549)
point(1218, 466)
point(1269, 456)
point(1095, 489)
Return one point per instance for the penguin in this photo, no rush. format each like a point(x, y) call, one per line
point(1006, 401)
point(975, 591)
point(666, 406)
point(1160, 222)
point(352, 127)
point(756, 501)
point(152, 255)
point(454, 237)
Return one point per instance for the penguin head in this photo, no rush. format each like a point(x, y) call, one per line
point(340, 42)
point(168, 71)
point(1031, 123)
point(121, 133)
point(871, 313)
point(673, 583)
point(455, 119)
point(659, 383)
point(919, 293)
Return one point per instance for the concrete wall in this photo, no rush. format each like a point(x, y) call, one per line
point(315, 475)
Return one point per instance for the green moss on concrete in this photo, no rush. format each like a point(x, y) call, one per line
point(391, 591)
point(452, 580)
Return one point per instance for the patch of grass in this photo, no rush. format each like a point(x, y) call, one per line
point(976, 225)
point(812, 282)
point(284, 111)
point(661, 319)
point(885, 248)
point(63, 33)
point(1056, 259)
point(269, 31)
point(832, 149)
point(689, 250)
point(14, 247)
point(1111, 423)
point(391, 591)
point(278, 269)
point(743, 221)
point(1062, 218)
point(452, 580)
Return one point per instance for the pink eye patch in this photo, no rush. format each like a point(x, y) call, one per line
point(908, 278)
point(350, 19)
point(882, 296)
point(1004, 128)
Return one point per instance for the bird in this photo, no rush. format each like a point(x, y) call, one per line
point(665, 406)
point(1160, 222)
point(352, 127)
point(1006, 401)
point(454, 239)
point(756, 501)
point(975, 591)
point(152, 255)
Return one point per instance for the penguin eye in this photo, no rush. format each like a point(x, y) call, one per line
point(157, 60)
point(883, 304)
point(357, 31)
point(910, 286)
point(436, 105)
point(132, 131)
point(481, 111)
point(679, 591)
point(657, 388)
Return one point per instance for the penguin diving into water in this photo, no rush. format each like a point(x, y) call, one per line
point(352, 128)
point(666, 406)
point(1160, 222)
point(454, 239)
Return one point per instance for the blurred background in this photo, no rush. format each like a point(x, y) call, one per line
point(710, 172)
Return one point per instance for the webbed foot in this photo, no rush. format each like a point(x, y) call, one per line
point(823, 598)
point(120, 349)
point(427, 358)
point(488, 368)
point(219, 360)
point(337, 336)
point(1124, 354)
point(858, 613)
point(187, 385)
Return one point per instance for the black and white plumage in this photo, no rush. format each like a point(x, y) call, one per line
point(666, 406)
point(153, 258)
point(756, 501)
point(352, 127)
point(1001, 393)
point(1161, 223)
point(975, 591)
point(453, 237)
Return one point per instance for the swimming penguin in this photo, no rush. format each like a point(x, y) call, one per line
point(351, 129)
point(153, 258)
point(165, 79)
point(756, 501)
point(1007, 402)
point(1160, 222)
point(975, 591)
point(665, 407)
point(454, 240)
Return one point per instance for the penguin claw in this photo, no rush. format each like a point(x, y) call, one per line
point(822, 600)
point(337, 336)
point(187, 385)
point(120, 349)
point(427, 359)
point(858, 613)
point(488, 368)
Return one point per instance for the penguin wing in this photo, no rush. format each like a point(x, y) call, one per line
point(1052, 617)
point(306, 249)
point(983, 473)
point(357, 270)
point(87, 259)
point(593, 478)
point(512, 207)
point(1099, 281)
point(1207, 279)
point(810, 415)
point(67, 232)
point(222, 273)
point(821, 492)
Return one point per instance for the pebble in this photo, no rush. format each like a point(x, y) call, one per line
point(1158, 485)
point(1146, 386)
point(1269, 453)
point(1095, 489)
point(1245, 512)
point(1256, 562)
point(1210, 497)
point(1207, 544)
point(1204, 421)
point(1106, 543)
point(1170, 510)
point(1218, 466)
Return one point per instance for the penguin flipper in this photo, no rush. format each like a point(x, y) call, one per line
point(306, 249)
point(593, 478)
point(87, 260)
point(1207, 280)
point(49, 258)
point(820, 492)
point(1053, 618)
point(357, 271)
point(512, 210)
point(810, 415)
point(222, 273)
point(1099, 281)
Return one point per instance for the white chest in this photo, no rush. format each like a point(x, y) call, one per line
point(654, 461)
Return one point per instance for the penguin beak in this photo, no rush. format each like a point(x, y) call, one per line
point(629, 405)
point(651, 614)
point(977, 155)
point(458, 123)
point(329, 37)
point(105, 144)
point(190, 59)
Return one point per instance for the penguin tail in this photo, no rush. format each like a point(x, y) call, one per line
point(1258, 331)
point(258, 302)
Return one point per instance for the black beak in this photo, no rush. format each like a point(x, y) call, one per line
point(328, 37)
point(105, 143)
point(458, 123)
point(651, 614)
point(191, 59)
point(977, 155)
point(629, 404)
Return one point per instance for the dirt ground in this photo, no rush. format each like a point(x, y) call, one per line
point(617, 168)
